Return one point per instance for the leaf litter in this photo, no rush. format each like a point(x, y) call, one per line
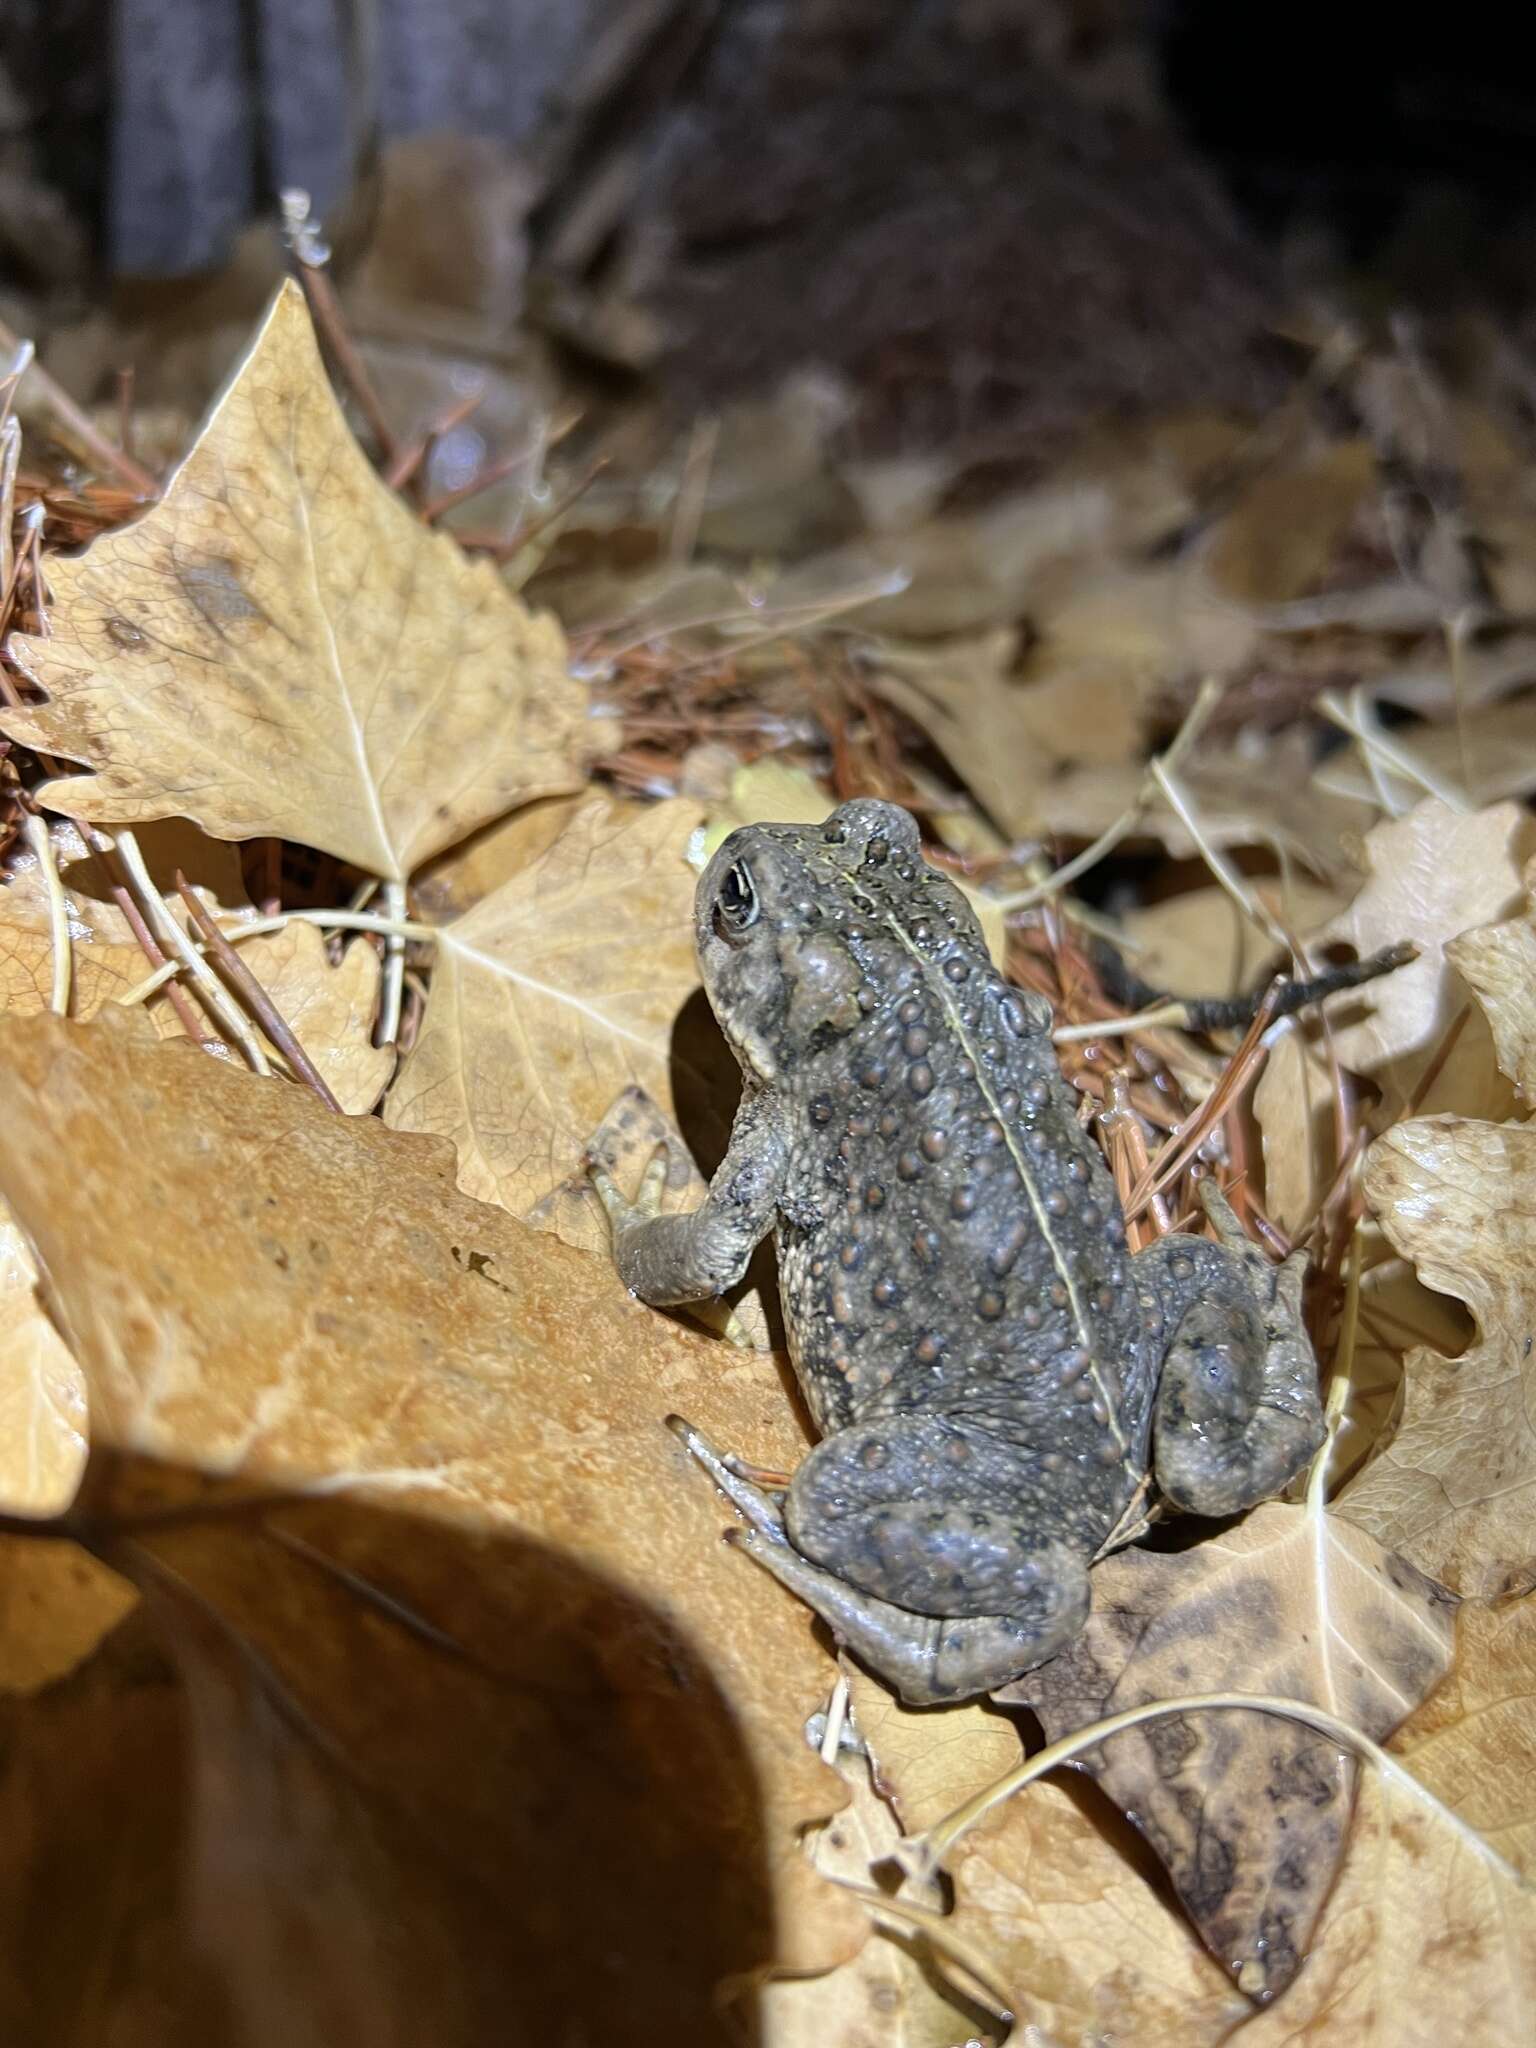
point(340, 1521)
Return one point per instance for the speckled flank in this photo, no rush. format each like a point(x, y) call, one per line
point(976, 1344)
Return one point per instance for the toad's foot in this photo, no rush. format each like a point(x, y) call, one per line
point(628, 1223)
point(930, 1658)
point(1238, 1414)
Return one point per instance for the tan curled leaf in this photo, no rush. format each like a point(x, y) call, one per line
point(43, 1422)
point(1473, 1742)
point(458, 879)
point(280, 647)
point(1433, 874)
point(1287, 523)
point(1428, 1938)
point(1248, 1813)
point(330, 1009)
point(553, 994)
point(1499, 962)
point(499, 1618)
point(1455, 1489)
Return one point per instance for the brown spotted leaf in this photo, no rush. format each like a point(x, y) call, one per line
point(554, 993)
point(1248, 1813)
point(495, 1631)
point(1428, 1938)
point(280, 647)
point(1076, 1940)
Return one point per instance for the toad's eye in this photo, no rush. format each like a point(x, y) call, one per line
point(736, 907)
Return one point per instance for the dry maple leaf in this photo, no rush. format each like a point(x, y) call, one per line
point(1248, 1813)
point(1473, 1742)
point(1428, 1938)
point(1455, 1488)
point(279, 647)
point(1083, 1945)
point(552, 995)
point(500, 1542)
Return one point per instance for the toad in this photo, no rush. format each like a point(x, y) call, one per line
point(995, 1377)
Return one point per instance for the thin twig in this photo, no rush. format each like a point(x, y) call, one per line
point(235, 1026)
point(416, 454)
point(58, 912)
point(280, 1032)
point(165, 970)
point(79, 424)
point(493, 473)
point(1195, 721)
point(1251, 905)
point(1376, 746)
point(692, 491)
point(253, 928)
point(343, 350)
point(516, 542)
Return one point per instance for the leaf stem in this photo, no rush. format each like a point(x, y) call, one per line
point(393, 984)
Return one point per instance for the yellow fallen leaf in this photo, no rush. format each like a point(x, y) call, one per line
point(1473, 1742)
point(552, 995)
point(476, 1566)
point(457, 880)
point(279, 647)
point(1249, 1813)
point(43, 1419)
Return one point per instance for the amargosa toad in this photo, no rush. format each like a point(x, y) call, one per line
point(992, 1372)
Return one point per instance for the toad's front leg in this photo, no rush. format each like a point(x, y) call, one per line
point(665, 1260)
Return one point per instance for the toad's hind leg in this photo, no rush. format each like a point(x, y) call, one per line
point(1237, 1414)
point(894, 1539)
point(869, 1518)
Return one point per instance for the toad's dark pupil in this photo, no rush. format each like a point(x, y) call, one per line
point(738, 898)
